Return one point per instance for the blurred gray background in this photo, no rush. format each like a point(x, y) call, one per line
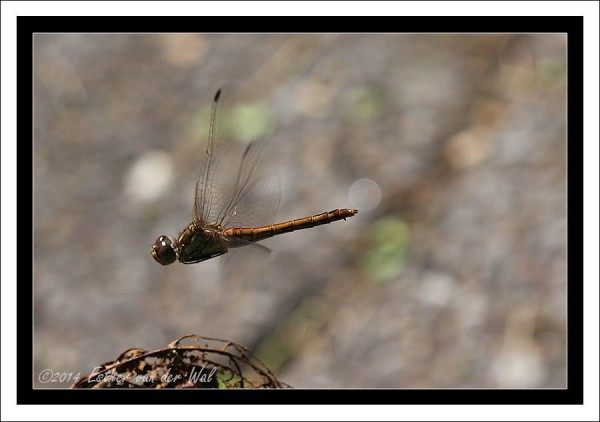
point(452, 147)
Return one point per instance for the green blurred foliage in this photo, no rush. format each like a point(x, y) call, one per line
point(553, 74)
point(250, 121)
point(242, 123)
point(226, 381)
point(276, 349)
point(388, 255)
point(364, 103)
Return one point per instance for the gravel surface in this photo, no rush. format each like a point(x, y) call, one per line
point(453, 274)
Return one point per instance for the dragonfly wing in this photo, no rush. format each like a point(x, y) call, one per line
point(237, 186)
point(244, 260)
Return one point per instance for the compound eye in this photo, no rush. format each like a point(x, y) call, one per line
point(163, 251)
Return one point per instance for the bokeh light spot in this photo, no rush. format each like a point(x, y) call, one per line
point(365, 194)
point(149, 177)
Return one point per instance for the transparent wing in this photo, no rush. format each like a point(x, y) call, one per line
point(237, 186)
point(242, 263)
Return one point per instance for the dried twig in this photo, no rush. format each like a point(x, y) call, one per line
point(207, 363)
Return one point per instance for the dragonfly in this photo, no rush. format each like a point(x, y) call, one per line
point(226, 204)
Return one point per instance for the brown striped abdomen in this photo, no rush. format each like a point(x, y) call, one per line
point(259, 233)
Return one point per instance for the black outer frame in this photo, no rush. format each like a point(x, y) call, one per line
point(573, 394)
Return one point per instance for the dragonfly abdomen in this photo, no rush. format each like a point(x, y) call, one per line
point(259, 233)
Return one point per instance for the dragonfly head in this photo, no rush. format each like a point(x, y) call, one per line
point(163, 251)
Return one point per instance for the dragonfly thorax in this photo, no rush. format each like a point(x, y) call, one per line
point(198, 243)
